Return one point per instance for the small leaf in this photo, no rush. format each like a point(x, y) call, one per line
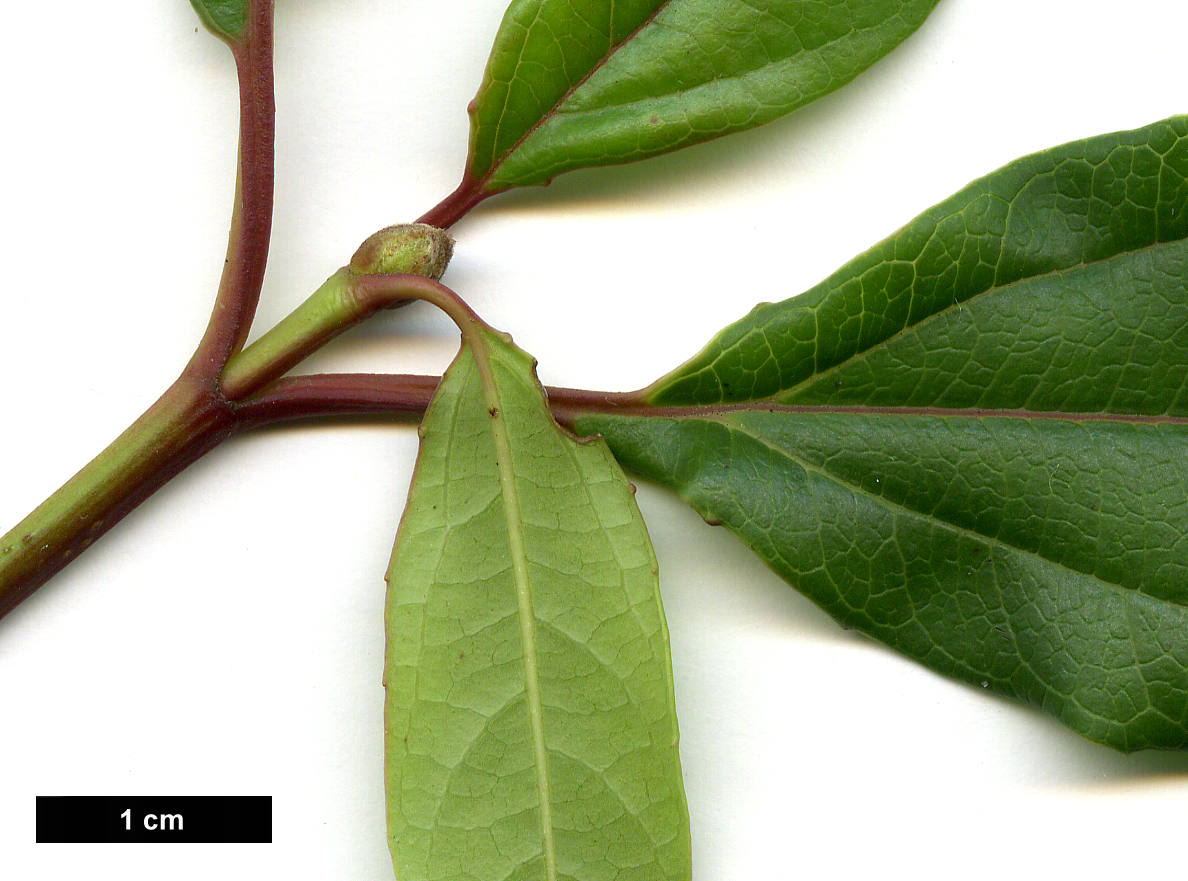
point(578, 83)
point(530, 725)
point(223, 18)
point(972, 442)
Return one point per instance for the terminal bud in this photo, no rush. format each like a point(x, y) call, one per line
point(406, 248)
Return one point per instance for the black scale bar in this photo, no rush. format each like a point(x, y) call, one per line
point(235, 819)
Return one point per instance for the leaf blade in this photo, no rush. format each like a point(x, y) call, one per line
point(225, 19)
point(964, 599)
point(529, 690)
point(1044, 214)
point(993, 480)
point(572, 85)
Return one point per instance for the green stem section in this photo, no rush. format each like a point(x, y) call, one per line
point(201, 409)
point(187, 421)
point(344, 300)
point(192, 418)
point(327, 312)
point(193, 415)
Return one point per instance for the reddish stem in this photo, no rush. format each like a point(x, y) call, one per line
point(193, 416)
point(185, 423)
point(366, 394)
point(455, 206)
point(251, 218)
point(345, 394)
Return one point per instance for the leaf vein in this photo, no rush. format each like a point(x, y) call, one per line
point(895, 506)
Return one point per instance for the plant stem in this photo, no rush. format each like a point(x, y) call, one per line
point(344, 300)
point(343, 395)
point(191, 419)
point(338, 395)
point(220, 391)
point(193, 415)
point(455, 206)
point(251, 218)
point(186, 422)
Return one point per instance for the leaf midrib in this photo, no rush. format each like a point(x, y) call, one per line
point(509, 493)
point(947, 309)
point(1131, 596)
point(1132, 593)
point(497, 161)
point(556, 108)
point(765, 405)
point(703, 83)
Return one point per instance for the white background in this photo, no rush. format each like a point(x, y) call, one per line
point(227, 637)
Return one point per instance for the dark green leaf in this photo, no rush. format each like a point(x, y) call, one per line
point(531, 730)
point(972, 441)
point(578, 83)
point(223, 18)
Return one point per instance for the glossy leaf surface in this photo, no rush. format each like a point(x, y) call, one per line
point(223, 18)
point(971, 442)
point(578, 83)
point(530, 725)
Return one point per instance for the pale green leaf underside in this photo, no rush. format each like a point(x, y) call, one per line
point(530, 725)
point(578, 83)
point(972, 441)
